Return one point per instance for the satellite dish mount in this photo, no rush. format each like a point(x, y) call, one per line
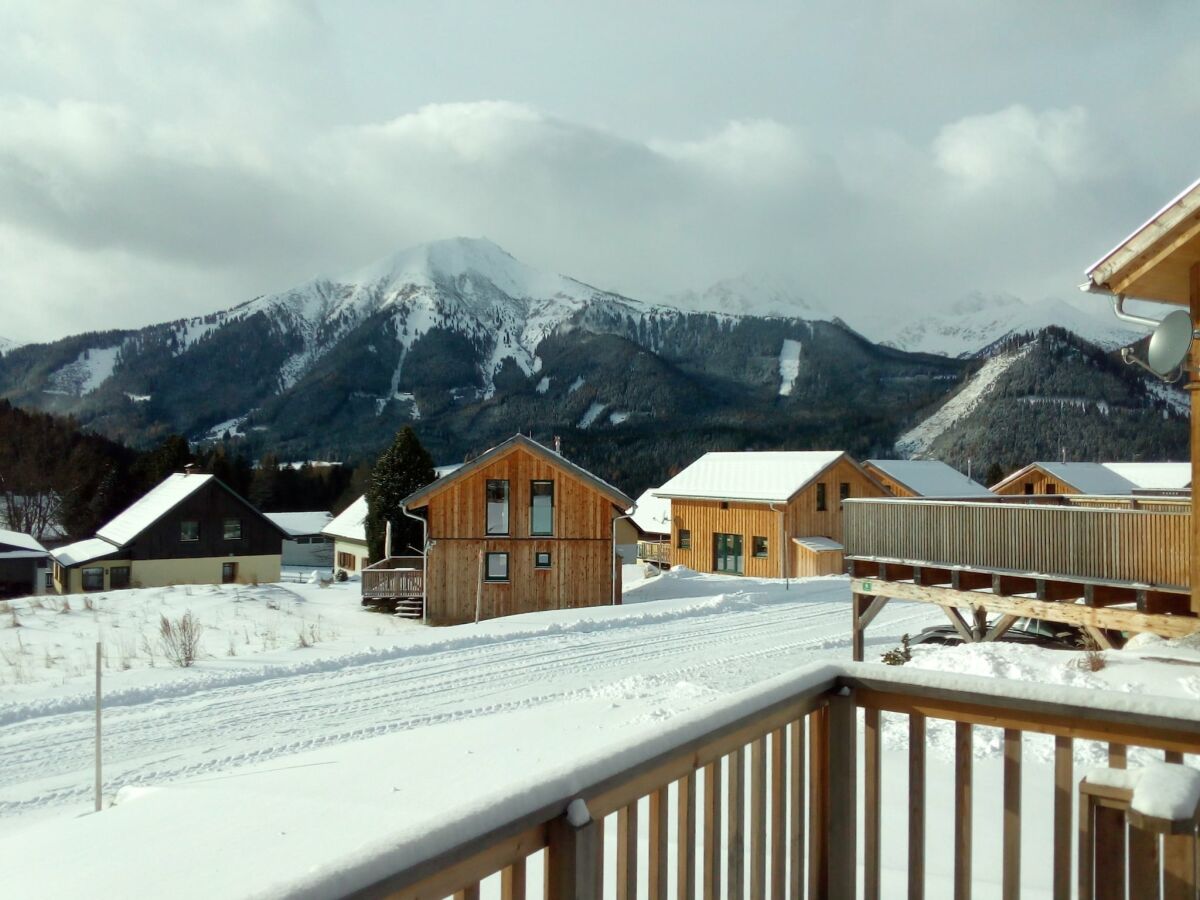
point(1170, 343)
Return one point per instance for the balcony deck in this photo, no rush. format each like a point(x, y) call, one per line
point(1106, 564)
point(394, 578)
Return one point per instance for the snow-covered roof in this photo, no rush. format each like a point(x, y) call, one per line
point(420, 497)
point(350, 523)
point(1085, 477)
point(818, 544)
point(443, 471)
point(19, 541)
point(1154, 476)
point(653, 514)
point(758, 476)
point(153, 506)
point(301, 523)
point(83, 551)
point(930, 477)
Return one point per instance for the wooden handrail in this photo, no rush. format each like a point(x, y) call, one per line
point(767, 733)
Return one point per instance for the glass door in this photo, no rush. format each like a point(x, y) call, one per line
point(727, 554)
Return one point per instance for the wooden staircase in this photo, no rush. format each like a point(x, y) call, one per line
point(410, 608)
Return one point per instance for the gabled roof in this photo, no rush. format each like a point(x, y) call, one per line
point(771, 476)
point(159, 501)
point(153, 505)
point(18, 541)
point(421, 497)
point(653, 514)
point(929, 477)
point(1085, 477)
point(350, 523)
point(83, 551)
point(298, 524)
point(1153, 262)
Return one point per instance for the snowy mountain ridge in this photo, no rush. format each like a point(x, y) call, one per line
point(974, 325)
point(752, 295)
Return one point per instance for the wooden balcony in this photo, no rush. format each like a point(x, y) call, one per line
point(657, 552)
point(1105, 564)
point(394, 578)
point(759, 796)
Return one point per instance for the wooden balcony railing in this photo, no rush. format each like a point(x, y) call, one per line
point(393, 578)
point(1084, 538)
point(655, 552)
point(758, 795)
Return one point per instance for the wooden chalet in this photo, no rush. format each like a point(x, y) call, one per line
point(770, 514)
point(517, 529)
point(924, 478)
point(1098, 557)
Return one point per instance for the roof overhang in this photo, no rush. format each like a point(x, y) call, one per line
point(1154, 262)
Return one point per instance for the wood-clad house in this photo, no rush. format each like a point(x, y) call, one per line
point(517, 529)
point(1110, 479)
point(190, 529)
point(773, 514)
point(924, 478)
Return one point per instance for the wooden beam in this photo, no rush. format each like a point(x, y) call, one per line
point(841, 736)
point(857, 602)
point(1071, 613)
point(916, 806)
point(1098, 635)
point(964, 758)
point(877, 603)
point(573, 870)
point(1059, 590)
point(968, 580)
point(960, 626)
point(1179, 867)
point(1002, 625)
point(818, 803)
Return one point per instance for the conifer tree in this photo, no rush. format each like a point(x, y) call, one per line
point(401, 469)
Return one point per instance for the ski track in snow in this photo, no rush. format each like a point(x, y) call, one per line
point(48, 758)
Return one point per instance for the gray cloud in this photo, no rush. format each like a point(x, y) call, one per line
point(157, 161)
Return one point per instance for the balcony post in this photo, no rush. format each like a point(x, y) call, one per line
point(842, 834)
point(1193, 387)
point(573, 864)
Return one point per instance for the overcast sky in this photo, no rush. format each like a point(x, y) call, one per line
point(167, 159)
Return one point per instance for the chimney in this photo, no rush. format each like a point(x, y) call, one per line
point(558, 445)
point(190, 469)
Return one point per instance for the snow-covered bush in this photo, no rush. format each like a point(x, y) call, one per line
point(180, 639)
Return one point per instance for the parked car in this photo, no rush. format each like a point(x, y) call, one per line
point(1052, 635)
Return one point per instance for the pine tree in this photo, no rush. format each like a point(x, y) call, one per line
point(401, 469)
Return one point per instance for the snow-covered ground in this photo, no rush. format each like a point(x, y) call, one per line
point(244, 765)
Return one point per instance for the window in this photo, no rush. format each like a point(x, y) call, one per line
point(1029, 487)
point(497, 507)
point(497, 566)
point(48, 581)
point(724, 504)
point(541, 507)
point(189, 530)
point(541, 560)
point(118, 577)
point(346, 560)
point(228, 572)
point(93, 579)
point(233, 529)
point(843, 492)
point(303, 540)
point(1050, 489)
point(685, 539)
point(759, 545)
point(727, 553)
point(821, 505)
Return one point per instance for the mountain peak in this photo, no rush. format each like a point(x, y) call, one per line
point(757, 294)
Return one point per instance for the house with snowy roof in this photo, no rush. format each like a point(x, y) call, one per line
point(348, 531)
point(924, 478)
point(24, 565)
point(770, 514)
point(1099, 479)
point(192, 528)
point(305, 545)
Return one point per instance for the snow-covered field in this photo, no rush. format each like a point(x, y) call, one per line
point(286, 760)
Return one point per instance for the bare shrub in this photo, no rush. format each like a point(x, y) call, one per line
point(89, 604)
point(15, 620)
point(66, 607)
point(898, 656)
point(180, 639)
point(1093, 659)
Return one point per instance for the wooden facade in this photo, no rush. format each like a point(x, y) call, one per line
point(579, 570)
point(1033, 480)
point(696, 523)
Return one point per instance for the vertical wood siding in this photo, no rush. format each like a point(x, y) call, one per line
point(1041, 481)
point(580, 572)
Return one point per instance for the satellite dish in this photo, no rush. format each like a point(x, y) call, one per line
point(1170, 343)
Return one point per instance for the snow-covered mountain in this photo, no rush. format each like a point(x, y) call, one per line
point(752, 295)
point(975, 324)
point(6, 344)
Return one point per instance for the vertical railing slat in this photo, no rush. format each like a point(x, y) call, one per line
point(796, 810)
point(778, 870)
point(818, 803)
point(512, 882)
point(1064, 753)
point(758, 819)
point(736, 813)
point(916, 806)
point(964, 758)
point(1011, 889)
point(656, 829)
point(627, 851)
point(685, 842)
point(871, 803)
point(842, 756)
point(712, 831)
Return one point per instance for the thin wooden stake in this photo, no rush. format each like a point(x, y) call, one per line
point(657, 829)
point(99, 788)
point(1011, 888)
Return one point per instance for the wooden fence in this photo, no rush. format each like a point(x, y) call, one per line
point(658, 552)
point(766, 804)
point(1073, 540)
point(394, 577)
